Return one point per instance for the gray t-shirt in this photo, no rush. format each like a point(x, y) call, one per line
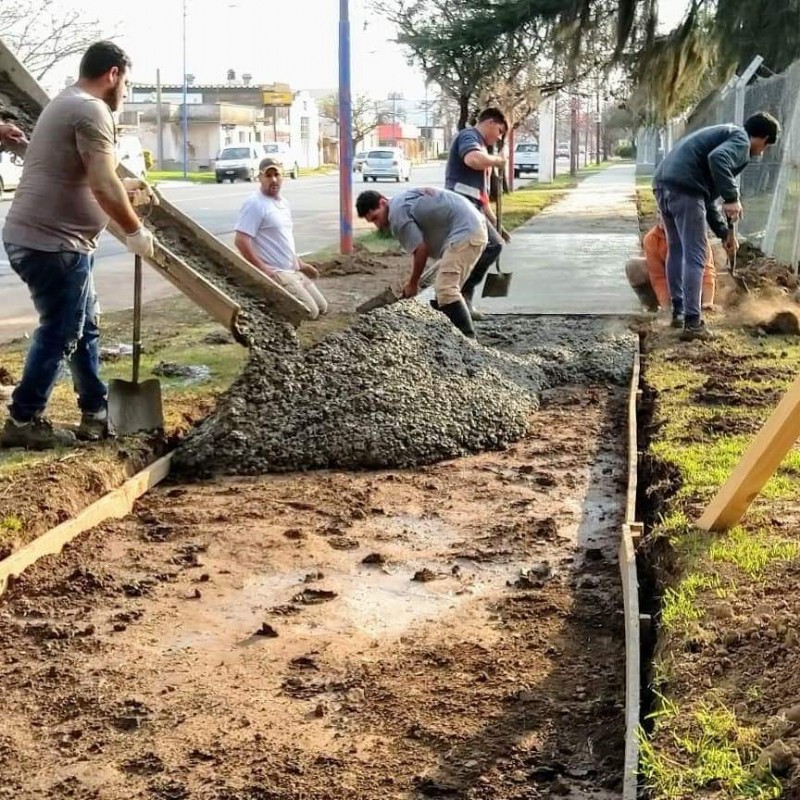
point(434, 216)
point(53, 207)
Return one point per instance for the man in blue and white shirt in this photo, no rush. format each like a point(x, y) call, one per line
point(469, 166)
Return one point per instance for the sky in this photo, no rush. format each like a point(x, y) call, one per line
point(289, 41)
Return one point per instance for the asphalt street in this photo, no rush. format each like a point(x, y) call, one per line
point(315, 209)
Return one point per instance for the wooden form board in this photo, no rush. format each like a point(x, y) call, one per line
point(631, 532)
point(630, 597)
point(205, 294)
point(758, 464)
point(114, 505)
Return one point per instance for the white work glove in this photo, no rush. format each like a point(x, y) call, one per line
point(140, 243)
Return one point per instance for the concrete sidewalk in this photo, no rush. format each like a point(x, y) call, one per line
point(570, 259)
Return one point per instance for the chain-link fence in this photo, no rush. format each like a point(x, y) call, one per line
point(770, 186)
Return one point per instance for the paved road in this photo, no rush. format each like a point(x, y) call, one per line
point(315, 206)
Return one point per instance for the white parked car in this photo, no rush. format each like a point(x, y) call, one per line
point(358, 160)
point(283, 153)
point(386, 162)
point(10, 171)
point(526, 158)
point(238, 161)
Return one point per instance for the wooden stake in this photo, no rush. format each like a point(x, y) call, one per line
point(759, 463)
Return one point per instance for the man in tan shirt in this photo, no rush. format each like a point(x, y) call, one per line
point(68, 191)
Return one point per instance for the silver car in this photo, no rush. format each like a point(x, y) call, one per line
point(386, 162)
point(358, 160)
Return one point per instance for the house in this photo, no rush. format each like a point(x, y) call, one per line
point(218, 115)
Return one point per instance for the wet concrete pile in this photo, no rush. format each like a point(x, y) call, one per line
point(400, 388)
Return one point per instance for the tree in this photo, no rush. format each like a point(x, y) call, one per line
point(366, 113)
point(438, 37)
point(43, 33)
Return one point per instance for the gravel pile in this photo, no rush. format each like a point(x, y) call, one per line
point(400, 388)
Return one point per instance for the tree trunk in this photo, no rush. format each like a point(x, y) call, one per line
point(463, 111)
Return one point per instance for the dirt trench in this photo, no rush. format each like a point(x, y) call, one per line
point(449, 631)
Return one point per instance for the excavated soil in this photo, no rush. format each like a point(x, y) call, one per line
point(455, 631)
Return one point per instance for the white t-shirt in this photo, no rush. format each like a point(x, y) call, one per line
point(269, 222)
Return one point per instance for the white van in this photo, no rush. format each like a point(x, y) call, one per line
point(131, 154)
point(10, 171)
point(281, 152)
point(238, 161)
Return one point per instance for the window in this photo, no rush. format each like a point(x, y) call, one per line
point(230, 153)
point(527, 148)
point(258, 136)
point(304, 128)
point(387, 154)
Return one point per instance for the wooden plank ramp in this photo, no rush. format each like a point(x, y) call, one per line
point(116, 504)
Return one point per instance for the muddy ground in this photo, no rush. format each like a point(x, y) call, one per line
point(455, 631)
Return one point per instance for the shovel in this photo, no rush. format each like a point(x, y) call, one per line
point(392, 294)
point(738, 279)
point(497, 283)
point(135, 407)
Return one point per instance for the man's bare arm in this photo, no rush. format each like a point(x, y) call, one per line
point(244, 244)
point(480, 159)
point(420, 259)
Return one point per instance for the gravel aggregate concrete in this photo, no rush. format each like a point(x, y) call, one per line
point(400, 388)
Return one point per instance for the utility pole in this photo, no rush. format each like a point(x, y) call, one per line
point(185, 108)
point(597, 121)
point(575, 140)
point(159, 123)
point(345, 134)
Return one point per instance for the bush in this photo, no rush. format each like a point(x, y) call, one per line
point(149, 160)
point(443, 155)
point(626, 151)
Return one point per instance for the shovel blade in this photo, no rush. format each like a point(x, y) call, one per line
point(385, 298)
point(496, 284)
point(135, 407)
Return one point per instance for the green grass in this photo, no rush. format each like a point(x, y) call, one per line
point(10, 524)
point(156, 176)
point(697, 747)
point(753, 552)
point(716, 753)
point(679, 609)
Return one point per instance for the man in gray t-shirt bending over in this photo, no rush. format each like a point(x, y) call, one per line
point(433, 223)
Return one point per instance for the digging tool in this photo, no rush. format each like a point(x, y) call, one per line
point(135, 407)
point(497, 283)
point(392, 294)
point(738, 279)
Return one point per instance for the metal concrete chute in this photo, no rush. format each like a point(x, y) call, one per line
point(210, 274)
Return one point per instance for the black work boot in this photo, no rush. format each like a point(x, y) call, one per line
point(459, 315)
point(94, 426)
point(696, 332)
point(38, 434)
point(467, 293)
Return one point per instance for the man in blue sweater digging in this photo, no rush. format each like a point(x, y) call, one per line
point(701, 168)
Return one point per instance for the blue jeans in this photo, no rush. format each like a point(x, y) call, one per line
point(684, 218)
point(62, 290)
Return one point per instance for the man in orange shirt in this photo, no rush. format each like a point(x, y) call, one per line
point(648, 275)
